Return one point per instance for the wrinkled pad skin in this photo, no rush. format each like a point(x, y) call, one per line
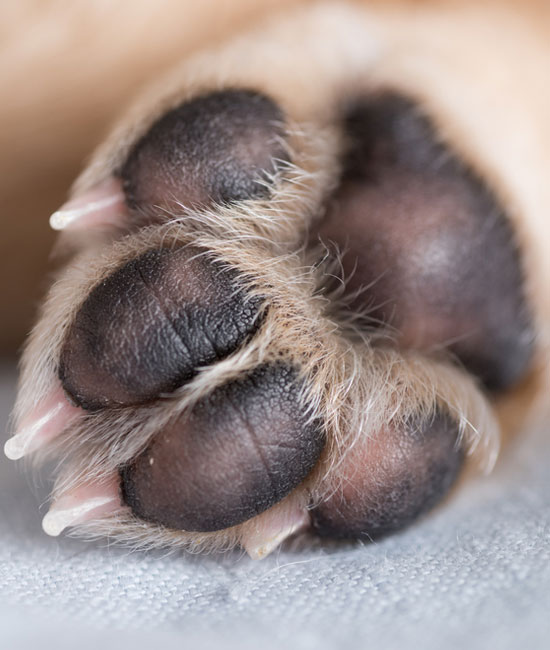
point(392, 479)
point(149, 326)
point(219, 147)
point(235, 454)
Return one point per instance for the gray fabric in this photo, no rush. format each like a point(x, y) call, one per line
point(475, 574)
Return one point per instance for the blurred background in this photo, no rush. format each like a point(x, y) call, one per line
point(66, 70)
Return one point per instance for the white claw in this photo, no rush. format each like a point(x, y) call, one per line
point(101, 205)
point(268, 545)
point(270, 529)
point(16, 447)
point(21, 443)
point(50, 418)
point(65, 216)
point(56, 520)
point(87, 502)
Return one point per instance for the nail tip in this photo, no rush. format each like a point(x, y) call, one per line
point(58, 221)
point(261, 551)
point(257, 554)
point(70, 215)
point(13, 450)
point(51, 524)
point(266, 547)
point(59, 518)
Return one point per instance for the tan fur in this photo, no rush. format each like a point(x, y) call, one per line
point(488, 101)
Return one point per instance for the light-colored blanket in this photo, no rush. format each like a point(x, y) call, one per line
point(475, 574)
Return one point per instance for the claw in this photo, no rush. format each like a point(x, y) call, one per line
point(103, 205)
point(270, 529)
point(47, 420)
point(87, 502)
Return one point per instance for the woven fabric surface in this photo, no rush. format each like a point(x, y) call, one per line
point(474, 574)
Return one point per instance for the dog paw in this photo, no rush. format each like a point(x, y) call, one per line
point(280, 314)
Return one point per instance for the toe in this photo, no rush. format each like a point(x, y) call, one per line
point(236, 454)
point(151, 325)
point(216, 148)
point(387, 482)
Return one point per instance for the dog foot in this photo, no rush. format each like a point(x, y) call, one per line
point(276, 317)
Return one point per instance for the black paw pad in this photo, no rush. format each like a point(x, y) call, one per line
point(238, 452)
point(391, 480)
point(216, 148)
point(149, 326)
point(429, 243)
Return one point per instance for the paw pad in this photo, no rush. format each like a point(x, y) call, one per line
point(390, 481)
point(148, 328)
point(218, 148)
point(238, 452)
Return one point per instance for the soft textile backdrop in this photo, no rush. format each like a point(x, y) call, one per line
point(473, 575)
